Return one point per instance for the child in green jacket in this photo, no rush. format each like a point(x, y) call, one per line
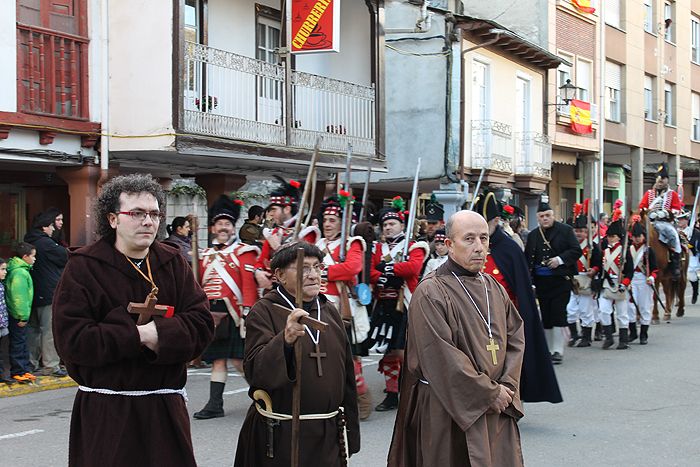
point(19, 294)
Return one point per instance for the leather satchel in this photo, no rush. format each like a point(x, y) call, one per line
point(582, 284)
point(222, 324)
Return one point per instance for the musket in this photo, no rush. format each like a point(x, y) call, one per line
point(623, 260)
point(478, 186)
point(365, 192)
point(307, 186)
point(347, 210)
point(194, 225)
point(694, 215)
point(412, 211)
point(307, 221)
point(657, 297)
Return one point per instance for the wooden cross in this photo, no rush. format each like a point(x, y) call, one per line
point(493, 347)
point(318, 355)
point(147, 309)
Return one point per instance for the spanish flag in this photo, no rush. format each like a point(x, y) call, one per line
point(580, 113)
point(584, 6)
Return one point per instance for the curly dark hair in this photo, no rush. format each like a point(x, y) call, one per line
point(108, 201)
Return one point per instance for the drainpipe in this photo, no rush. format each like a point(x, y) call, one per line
point(104, 105)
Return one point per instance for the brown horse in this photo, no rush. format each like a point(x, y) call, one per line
point(672, 290)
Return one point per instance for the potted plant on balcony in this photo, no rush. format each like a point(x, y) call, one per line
point(209, 104)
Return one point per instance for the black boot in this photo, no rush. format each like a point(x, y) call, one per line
point(644, 334)
point(675, 262)
point(215, 406)
point(390, 402)
point(608, 332)
point(624, 339)
point(695, 291)
point(598, 335)
point(633, 332)
point(585, 337)
point(573, 330)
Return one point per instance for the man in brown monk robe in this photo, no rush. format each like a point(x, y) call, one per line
point(327, 374)
point(130, 406)
point(460, 399)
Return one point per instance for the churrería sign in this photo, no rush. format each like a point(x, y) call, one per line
point(315, 26)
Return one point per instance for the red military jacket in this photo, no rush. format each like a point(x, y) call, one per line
point(346, 271)
point(669, 200)
point(639, 260)
point(227, 274)
point(492, 270)
point(408, 269)
point(582, 264)
point(612, 259)
point(309, 234)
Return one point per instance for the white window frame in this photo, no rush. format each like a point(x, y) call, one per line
point(486, 104)
point(613, 92)
point(649, 107)
point(695, 39)
point(669, 13)
point(649, 19)
point(587, 97)
point(695, 117)
point(613, 13)
point(669, 104)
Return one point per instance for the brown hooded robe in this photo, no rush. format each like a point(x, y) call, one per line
point(98, 341)
point(269, 365)
point(449, 377)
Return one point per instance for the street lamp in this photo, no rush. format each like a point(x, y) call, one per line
point(567, 92)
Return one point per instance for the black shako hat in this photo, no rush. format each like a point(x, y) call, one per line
point(225, 208)
point(581, 222)
point(662, 170)
point(638, 229)
point(487, 205)
point(616, 228)
point(434, 212)
point(544, 206)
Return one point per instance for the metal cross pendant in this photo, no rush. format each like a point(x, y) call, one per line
point(318, 355)
point(493, 347)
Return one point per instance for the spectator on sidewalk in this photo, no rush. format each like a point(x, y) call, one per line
point(51, 258)
point(179, 237)
point(20, 292)
point(4, 321)
point(58, 234)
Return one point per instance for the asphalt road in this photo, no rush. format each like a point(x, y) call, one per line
point(635, 407)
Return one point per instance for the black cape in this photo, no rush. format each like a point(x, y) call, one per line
point(538, 383)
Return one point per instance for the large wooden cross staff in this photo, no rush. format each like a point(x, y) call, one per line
point(147, 309)
point(296, 391)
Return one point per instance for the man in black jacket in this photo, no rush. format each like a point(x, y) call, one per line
point(51, 258)
point(552, 252)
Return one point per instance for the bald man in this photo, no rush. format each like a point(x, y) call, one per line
point(461, 384)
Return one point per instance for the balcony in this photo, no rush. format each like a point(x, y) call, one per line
point(232, 96)
point(533, 154)
point(52, 76)
point(564, 112)
point(492, 146)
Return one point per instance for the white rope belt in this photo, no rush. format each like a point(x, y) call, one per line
point(110, 392)
point(311, 416)
point(284, 416)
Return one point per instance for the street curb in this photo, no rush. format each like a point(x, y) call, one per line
point(43, 383)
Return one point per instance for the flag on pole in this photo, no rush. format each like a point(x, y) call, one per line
point(581, 117)
point(584, 6)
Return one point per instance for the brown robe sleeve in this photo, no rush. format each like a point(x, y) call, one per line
point(265, 362)
point(461, 388)
point(187, 333)
point(79, 337)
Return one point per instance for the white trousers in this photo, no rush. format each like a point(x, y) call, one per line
point(621, 312)
point(693, 268)
point(555, 340)
point(581, 307)
point(643, 296)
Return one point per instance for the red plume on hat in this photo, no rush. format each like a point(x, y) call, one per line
point(586, 206)
point(238, 202)
point(294, 184)
point(618, 204)
point(617, 214)
point(578, 209)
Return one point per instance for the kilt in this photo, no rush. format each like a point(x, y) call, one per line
point(231, 346)
point(388, 325)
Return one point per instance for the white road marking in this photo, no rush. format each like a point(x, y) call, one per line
point(20, 434)
point(236, 391)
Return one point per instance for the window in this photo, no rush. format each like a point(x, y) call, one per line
point(695, 135)
point(564, 72)
point(522, 102)
point(669, 21)
point(649, 16)
point(649, 112)
point(480, 90)
point(267, 40)
point(613, 87)
point(695, 40)
point(584, 78)
point(669, 91)
point(612, 12)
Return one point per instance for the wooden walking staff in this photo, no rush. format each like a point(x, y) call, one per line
point(296, 392)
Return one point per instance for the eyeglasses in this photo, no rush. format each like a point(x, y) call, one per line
point(319, 268)
point(140, 216)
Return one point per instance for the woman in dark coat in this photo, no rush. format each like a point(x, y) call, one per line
point(179, 237)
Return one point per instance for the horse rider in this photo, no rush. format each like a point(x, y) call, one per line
point(662, 204)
